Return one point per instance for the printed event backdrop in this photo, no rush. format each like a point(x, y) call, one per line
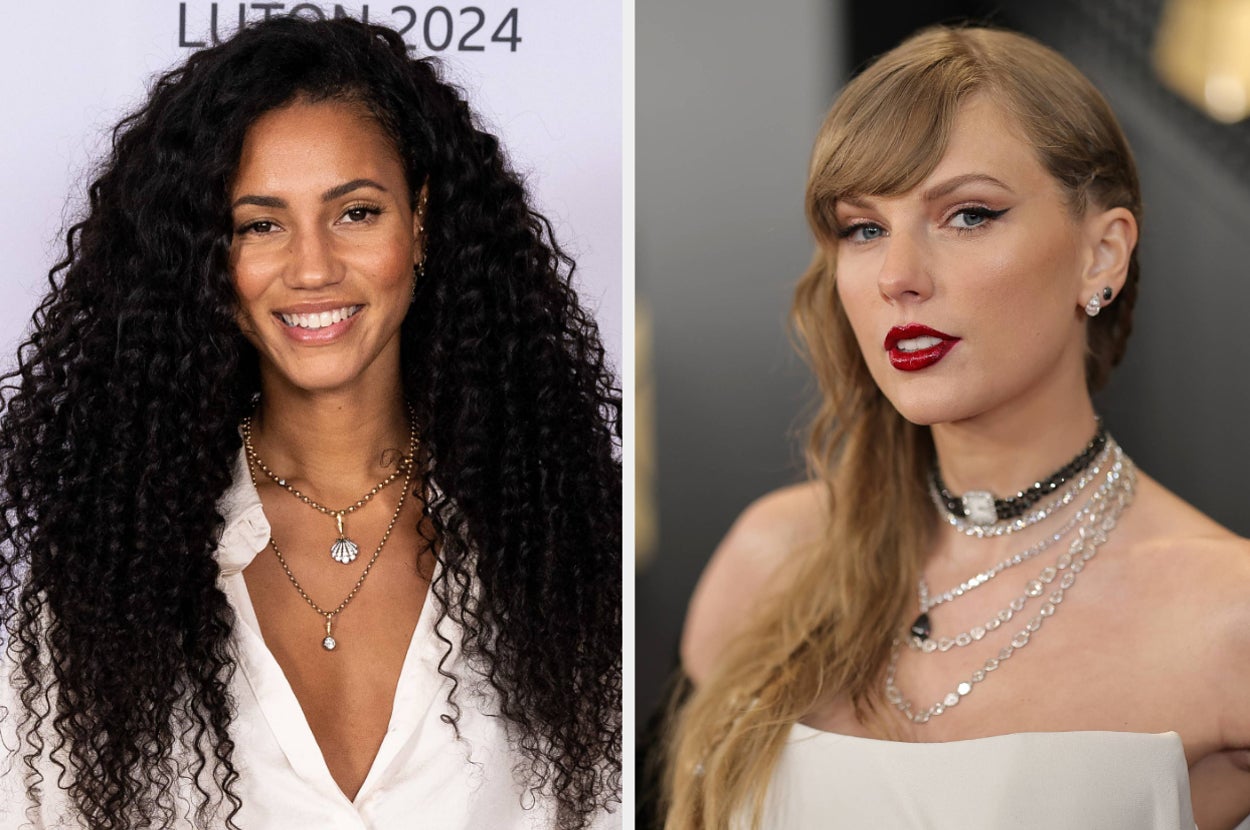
point(543, 75)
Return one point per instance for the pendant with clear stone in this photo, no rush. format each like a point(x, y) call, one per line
point(329, 643)
point(979, 507)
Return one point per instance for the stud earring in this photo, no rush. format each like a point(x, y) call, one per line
point(1095, 302)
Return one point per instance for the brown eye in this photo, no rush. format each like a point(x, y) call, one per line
point(360, 214)
point(260, 227)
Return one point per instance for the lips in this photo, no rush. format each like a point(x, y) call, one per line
point(914, 347)
point(316, 324)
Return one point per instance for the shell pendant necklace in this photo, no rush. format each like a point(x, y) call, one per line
point(329, 643)
point(344, 549)
point(405, 467)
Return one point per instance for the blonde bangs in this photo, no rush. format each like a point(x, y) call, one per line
point(890, 127)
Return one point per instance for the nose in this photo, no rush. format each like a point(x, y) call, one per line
point(904, 275)
point(312, 261)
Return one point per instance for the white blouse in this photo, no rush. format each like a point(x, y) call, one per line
point(422, 776)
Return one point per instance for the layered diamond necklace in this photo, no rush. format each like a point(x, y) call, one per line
point(921, 628)
point(1115, 478)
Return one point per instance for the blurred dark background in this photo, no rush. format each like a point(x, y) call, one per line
point(729, 99)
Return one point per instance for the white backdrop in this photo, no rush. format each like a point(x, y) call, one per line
point(72, 68)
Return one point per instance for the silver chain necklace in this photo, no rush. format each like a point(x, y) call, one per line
point(1121, 482)
point(922, 627)
point(1033, 588)
point(1065, 496)
point(928, 602)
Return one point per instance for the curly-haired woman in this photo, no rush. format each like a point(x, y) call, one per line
point(311, 498)
point(918, 651)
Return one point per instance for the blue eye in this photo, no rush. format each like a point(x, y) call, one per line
point(974, 217)
point(861, 232)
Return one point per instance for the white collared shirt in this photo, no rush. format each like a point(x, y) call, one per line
point(422, 777)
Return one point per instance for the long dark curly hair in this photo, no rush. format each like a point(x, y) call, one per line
point(120, 425)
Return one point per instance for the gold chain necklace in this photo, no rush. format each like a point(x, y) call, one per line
point(329, 643)
point(344, 550)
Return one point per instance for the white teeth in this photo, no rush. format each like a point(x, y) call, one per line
point(320, 320)
point(915, 344)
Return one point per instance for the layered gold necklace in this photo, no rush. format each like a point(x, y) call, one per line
point(344, 550)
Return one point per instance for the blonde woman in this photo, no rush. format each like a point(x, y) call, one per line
point(978, 613)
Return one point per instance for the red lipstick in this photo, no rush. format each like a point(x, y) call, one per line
point(913, 359)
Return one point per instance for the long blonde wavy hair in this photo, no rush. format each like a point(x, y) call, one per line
point(827, 630)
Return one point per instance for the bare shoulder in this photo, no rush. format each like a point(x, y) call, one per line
point(1189, 548)
point(741, 569)
point(1195, 573)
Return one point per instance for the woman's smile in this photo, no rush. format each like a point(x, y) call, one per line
point(318, 319)
point(318, 323)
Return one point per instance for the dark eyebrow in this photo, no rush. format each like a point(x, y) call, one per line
point(348, 187)
point(330, 195)
point(260, 201)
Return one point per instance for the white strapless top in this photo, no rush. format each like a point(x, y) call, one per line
point(1069, 780)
